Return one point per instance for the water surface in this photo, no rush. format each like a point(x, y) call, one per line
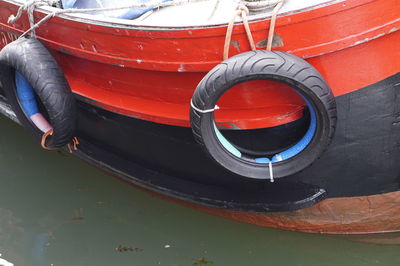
point(57, 210)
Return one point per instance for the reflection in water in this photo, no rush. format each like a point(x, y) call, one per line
point(57, 210)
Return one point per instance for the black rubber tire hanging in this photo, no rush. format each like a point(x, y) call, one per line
point(264, 65)
point(29, 57)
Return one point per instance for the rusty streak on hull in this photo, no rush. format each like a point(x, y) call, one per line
point(347, 215)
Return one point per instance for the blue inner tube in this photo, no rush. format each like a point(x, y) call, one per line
point(41, 99)
point(281, 156)
point(26, 95)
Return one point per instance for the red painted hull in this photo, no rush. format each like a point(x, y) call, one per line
point(151, 73)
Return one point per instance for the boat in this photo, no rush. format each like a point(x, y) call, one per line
point(283, 114)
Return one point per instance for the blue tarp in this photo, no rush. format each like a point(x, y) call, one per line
point(124, 14)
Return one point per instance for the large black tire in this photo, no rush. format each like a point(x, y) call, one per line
point(30, 58)
point(264, 65)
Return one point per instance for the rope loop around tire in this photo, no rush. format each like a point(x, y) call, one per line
point(274, 66)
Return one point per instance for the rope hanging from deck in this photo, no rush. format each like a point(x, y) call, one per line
point(243, 11)
point(272, 24)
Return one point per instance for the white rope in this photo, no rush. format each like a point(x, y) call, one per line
point(272, 25)
point(271, 172)
point(30, 6)
point(203, 111)
point(257, 5)
point(214, 10)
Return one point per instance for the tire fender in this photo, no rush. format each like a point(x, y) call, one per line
point(265, 65)
point(38, 91)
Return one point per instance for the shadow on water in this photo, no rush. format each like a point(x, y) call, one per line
point(57, 210)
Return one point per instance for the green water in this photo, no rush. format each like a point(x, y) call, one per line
point(58, 210)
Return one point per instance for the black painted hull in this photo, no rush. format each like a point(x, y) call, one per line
point(362, 159)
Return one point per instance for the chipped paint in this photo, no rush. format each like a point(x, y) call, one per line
point(235, 44)
point(277, 41)
point(368, 39)
point(181, 68)
point(65, 51)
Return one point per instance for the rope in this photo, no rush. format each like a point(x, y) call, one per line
point(13, 18)
point(271, 172)
point(30, 6)
point(257, 5)
point(75, 143)
point(44, 138)
point(242, 11)
point(203, 111)
point(272, 24)
point(214, 10)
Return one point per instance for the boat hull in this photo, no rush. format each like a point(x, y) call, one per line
point(359, 193)
point(134, 113)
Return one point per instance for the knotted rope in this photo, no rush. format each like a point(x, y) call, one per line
point(44, 138)
point(242, 11)
point(30, 7)
point(257, 5)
